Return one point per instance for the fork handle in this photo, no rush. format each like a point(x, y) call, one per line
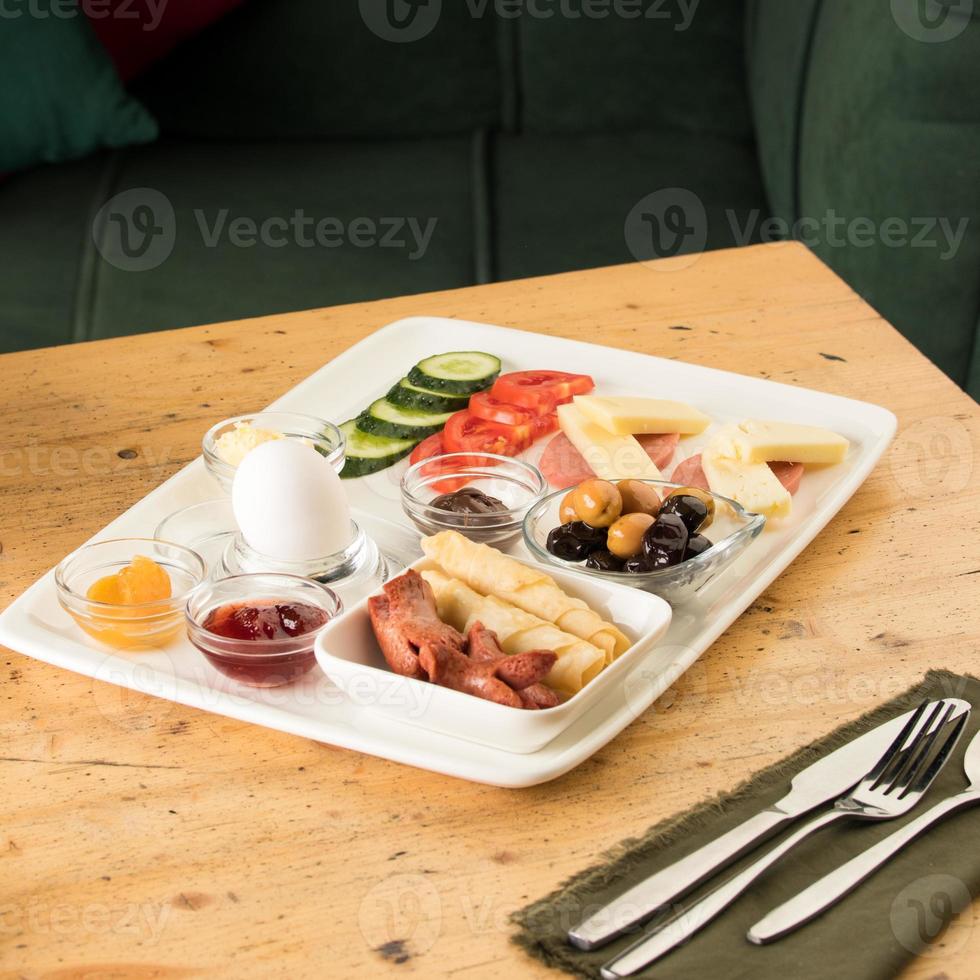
point(832, 887)
point(666, 886)
point(694, 917)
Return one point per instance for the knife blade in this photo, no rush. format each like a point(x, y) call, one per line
point(826, 779)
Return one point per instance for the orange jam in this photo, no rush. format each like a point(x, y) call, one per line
point(137, 622)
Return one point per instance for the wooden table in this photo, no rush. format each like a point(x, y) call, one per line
point(141, 839)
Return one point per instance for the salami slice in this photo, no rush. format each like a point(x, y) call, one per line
point(788, 474)
point(660, 448)
point(564, 466)
point(690, 474)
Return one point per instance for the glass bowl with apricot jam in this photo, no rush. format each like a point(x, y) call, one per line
point(260, 628)
point(129, 593)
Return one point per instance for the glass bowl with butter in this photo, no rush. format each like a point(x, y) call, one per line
point(226, 444)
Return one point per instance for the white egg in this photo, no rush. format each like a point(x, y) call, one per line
point(290, 503)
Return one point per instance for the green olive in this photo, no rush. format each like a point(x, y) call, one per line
point(567, 512)
point(625, 538)
point(638, 497)
point(702, 495)
point(597, 502)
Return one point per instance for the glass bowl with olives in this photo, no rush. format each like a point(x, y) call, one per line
point(482, 495)
point(658, 536)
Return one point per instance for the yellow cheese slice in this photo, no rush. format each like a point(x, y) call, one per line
point(758, 441)
point(623, 416)
point(753, 485)
point(610, 456)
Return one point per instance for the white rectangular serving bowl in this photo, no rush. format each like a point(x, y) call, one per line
point(349, 655)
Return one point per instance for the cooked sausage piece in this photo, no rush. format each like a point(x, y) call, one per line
point(401, 656)
point(483, 647)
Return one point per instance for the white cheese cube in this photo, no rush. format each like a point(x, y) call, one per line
point(611, 457)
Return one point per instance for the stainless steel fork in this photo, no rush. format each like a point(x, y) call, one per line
point(895, 784)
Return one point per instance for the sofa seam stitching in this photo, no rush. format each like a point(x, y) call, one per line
point(83, 313)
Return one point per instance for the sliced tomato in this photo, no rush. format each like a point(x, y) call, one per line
point(428, 447)
point(540, 391)
point(484, 406)
point(544, 425)
point(467, 433)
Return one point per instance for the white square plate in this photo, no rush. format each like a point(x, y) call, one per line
point(35, 625)
point(349, 655)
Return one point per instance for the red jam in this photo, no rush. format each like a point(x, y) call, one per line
point(255, 625)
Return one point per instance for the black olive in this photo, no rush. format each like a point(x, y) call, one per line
point(690, 509)
point(697, 544)
point(665, 541)
point(604, 561)
point(636, 566)
point(594, 537)
point(563, 544)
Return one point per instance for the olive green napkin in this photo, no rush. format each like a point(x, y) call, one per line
point(872, 933)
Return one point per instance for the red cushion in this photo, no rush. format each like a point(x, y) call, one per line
point(136, 33)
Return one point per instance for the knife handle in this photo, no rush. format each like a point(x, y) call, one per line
point(832, 887)
point(688, 921)
point(666, 886)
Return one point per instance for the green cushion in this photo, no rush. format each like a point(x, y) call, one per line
point(778, 39)
point(890, 138)
point(313, 68)
point(679, 65)
point(60, 97)
point(57, 286)
point(562, 202)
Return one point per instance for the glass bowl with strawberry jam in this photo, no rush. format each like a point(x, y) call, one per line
point(129, 593)
point(259, 629)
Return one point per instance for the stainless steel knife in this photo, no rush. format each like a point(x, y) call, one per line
point(825, 780)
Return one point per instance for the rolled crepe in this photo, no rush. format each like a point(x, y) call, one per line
point(517, 631)
point(490, 572)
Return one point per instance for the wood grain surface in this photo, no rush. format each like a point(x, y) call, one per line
point(142, 839)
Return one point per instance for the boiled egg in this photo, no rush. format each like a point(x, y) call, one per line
point(290, 504)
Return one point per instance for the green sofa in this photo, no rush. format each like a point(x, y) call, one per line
point(314, 153)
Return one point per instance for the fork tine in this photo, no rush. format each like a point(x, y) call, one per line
point(874, 776)
point(927, 774)
point(921, 749)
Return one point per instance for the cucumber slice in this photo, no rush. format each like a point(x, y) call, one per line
point(457, 373)
point(394, 422)
point(412, 396)
point(368, 453)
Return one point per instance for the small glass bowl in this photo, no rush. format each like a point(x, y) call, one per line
point(732, 531)
point(205, 527)
point(325, 437)
point(142, 626)
point(515, 483)
point(259, 663)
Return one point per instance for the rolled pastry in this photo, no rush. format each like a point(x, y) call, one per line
point(517, 631)
point(490, 572)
